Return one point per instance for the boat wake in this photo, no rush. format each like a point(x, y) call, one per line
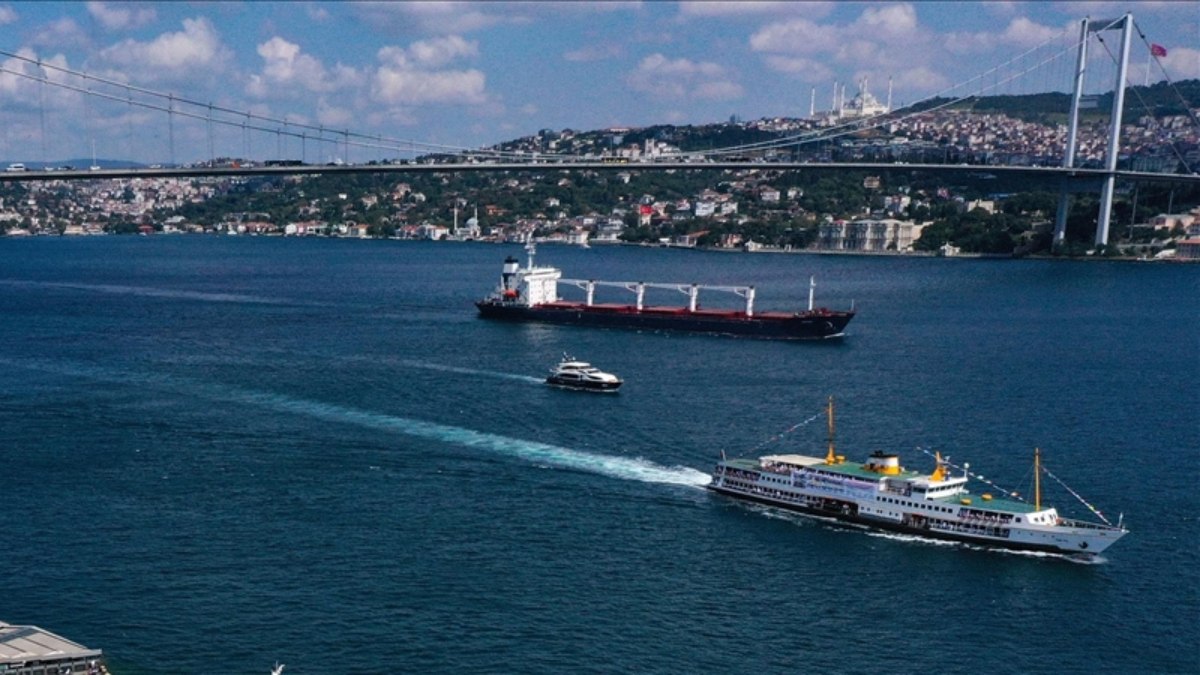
point(627, 468)
point(470, 371)
point(117, 289)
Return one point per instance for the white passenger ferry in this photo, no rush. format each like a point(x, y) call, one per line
point(882, 494)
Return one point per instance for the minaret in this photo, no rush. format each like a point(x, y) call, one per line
point(833, 104)
point(889, 103)
point(812, 104)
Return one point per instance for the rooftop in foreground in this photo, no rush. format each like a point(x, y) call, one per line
point(26, 644)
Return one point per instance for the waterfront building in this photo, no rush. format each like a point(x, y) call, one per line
point(1188, 249)
point(868, 235)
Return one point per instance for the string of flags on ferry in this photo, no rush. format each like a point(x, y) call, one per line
point(1014, 495)
point(785, 432)
point(1018, 497)
point(1076, 495)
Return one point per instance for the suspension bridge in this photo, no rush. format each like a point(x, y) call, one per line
point(243, 142)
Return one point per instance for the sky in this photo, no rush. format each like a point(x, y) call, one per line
point(468, 74)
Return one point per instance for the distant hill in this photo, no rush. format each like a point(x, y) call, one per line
point(1159, 100)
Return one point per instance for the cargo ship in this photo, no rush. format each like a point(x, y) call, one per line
point(530, 293)
point(881, 494)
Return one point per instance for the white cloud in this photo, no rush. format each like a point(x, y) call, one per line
point(403, 86)
point(882, 41)
point(25, 93)
point(1020, 32)
point(888, 21)
point(115, 16)
point(286, 68)
point(1180, 63)
point(439, 17)
point(428, 53)
point(894, 27)
point(1001, 7)
point(920, 79)
point(1023, 32)
point(440, 51)
point(60, 34)
point(718, 90)
point(333, 116)
point(798, 36)
point(683, 79)
point(195, 49)
point(810, 70)
point(728, 9)
point(414, 75)
point(7, 15)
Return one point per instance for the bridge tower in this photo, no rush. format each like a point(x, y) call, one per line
point(1108, 184)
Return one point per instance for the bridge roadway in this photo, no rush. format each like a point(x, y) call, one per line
point(1076, 174)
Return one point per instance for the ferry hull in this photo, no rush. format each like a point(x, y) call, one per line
point(817, 325)
point(850, 516)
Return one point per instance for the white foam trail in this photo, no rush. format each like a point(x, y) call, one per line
point(156, 292)
point(470, 371)
point(627, 468)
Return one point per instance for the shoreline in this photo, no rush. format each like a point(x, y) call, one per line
point(706, 249)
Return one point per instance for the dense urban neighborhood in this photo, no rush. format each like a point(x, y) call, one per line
point(901, 210)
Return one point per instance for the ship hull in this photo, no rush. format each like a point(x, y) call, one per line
point(816, 325)
point(847, 512)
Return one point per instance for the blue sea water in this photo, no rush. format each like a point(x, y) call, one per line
point(220, 453)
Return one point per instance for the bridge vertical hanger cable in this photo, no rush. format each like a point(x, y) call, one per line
point(212, 154)
point(171, 127)
point(88, 119)
point(129, 123)
point(42, 106)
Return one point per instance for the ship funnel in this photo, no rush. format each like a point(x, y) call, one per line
point(511, 265)
point(886, 464)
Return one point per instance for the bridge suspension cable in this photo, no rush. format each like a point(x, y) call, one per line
point(1142, 100)
point(876, 121)
point(280, 128)
point(879, 120)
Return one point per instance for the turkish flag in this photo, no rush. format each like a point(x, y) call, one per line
point(1157, 50)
